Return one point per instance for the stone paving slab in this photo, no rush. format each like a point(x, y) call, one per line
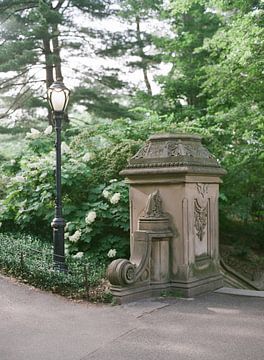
point(240, 292)
point(36, 325)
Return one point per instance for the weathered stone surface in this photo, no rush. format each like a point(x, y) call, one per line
point(174, 184)
point(180, 153)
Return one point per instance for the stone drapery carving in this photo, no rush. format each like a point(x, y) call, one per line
point(202, 189)
point(201, 210)
point(200, 219)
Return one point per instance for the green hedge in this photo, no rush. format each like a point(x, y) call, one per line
point(30, 260)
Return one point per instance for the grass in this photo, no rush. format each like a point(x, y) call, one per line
point(31, 260)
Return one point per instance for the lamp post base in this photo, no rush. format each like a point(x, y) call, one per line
point(58, 225)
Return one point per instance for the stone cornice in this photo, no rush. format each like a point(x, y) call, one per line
point(173, 153)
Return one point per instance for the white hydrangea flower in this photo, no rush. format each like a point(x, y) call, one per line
point(87, 157)
point(67, 225)
point(33, 134)
point(33, 165)
point(20, 178)
point(76, 236)
point(34, 131)
point(5, 178)
point(74, 161)
point(111, 253)
point(79, 255)
point(90, 217)
point(28, 135)
point(66, 235)
point(106, 194)
point(112, 181)
point(115, 198)
point(65, 149)
point(12, 162)
point(48, 130)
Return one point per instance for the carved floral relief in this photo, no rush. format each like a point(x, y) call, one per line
point(201, 210)
point(200, 219)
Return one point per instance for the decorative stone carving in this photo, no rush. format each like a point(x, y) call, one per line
point(200, 216)
point(154, 207)
point(173, 151)
point(142, 152)
point(153, 226)
point(174, 186)
point(121, 272)
point(202, 189)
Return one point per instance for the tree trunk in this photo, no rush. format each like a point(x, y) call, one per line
point(142, 54)
point(56, 52)
point(49, 70)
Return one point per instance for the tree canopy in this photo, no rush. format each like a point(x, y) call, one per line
point(214, 50)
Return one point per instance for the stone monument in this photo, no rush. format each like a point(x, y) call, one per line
point(174, 187)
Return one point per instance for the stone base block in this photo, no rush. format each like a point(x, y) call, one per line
point(124, 295)
point(198, 286)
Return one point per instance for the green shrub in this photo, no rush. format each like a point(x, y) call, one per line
point(27, 199)
point(30, 260)
point(92, 159)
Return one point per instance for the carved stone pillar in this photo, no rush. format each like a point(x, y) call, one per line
point(174, 184)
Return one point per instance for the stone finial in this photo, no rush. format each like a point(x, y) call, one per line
point(154, 206)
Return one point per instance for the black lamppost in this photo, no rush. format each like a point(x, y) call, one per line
point(58, 97)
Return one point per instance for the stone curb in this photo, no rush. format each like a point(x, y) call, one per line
point(240, 292)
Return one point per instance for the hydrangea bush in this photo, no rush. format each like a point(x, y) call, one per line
point(95, 199)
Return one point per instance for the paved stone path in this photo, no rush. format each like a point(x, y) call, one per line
point(35, 325)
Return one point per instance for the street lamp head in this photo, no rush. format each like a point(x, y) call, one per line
point(58, 96)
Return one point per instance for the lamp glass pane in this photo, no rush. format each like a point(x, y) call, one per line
point(49, 92)
point(58, 100)
point(67, 97)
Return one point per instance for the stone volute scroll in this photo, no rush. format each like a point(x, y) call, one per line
point(153, 225)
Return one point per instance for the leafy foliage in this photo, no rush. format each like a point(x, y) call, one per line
point(30, 260)
point(215, 88)
point(191, 25)
point(90, 184)
point(27, 192)
point(32, 36)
